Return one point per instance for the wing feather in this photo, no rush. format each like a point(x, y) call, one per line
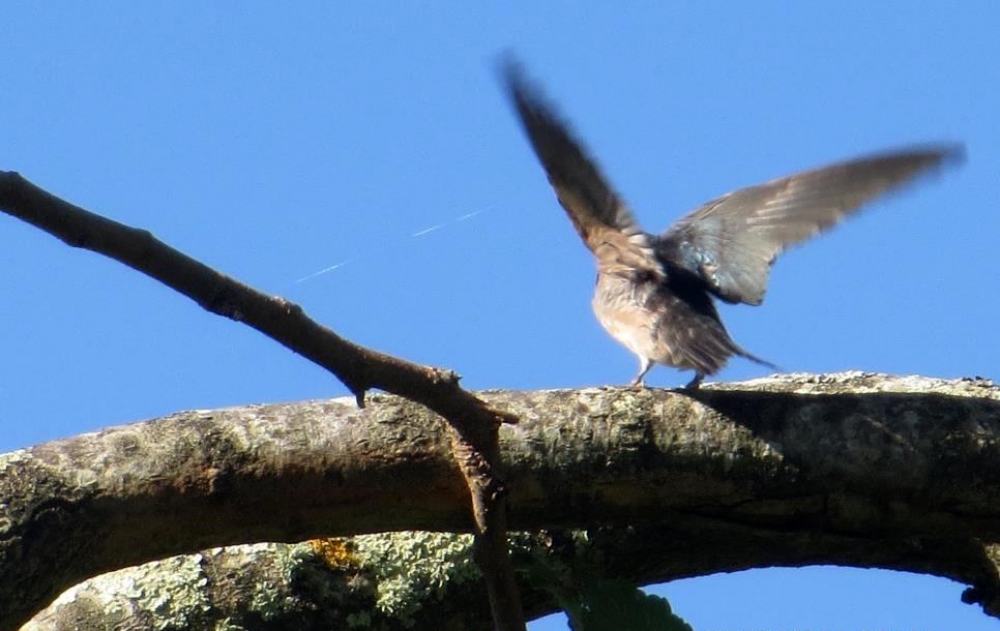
point(731, 242)
point(600, 216)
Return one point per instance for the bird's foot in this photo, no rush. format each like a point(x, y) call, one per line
point(645, 364)
point(695, 383)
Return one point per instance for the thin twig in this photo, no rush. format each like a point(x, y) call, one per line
point(478, 455)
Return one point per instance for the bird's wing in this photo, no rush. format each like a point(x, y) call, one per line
point(599, 215)
point(731, 242)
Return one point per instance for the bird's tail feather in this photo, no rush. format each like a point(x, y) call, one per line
point(742, 352)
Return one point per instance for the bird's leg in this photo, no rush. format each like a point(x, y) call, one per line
point(695, 383)
point(645, 364)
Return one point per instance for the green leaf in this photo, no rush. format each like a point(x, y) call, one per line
point(606, 605)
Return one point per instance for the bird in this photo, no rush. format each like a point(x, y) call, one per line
point(655, 293)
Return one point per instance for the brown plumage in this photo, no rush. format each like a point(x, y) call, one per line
point(654, 292)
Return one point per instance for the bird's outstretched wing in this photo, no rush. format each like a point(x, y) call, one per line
point(598, 213)
point(731, 242)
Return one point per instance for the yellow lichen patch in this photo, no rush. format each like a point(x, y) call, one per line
point(336, 553)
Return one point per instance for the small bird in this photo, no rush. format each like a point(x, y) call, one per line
point(654, 293)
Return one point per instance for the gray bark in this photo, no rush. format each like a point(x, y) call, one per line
point(850, 469)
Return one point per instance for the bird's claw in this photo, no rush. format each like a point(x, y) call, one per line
point(695, 383)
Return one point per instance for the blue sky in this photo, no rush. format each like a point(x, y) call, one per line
point(276, 142)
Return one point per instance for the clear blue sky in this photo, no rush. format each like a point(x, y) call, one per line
point(276, 142)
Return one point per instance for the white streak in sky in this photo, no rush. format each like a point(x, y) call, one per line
point(419, 233)
point(324, 271)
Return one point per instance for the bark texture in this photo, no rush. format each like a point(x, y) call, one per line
point(376, 582)
point(852, 469)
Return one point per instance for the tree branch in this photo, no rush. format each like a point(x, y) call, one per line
point(851, 469)
point(413, 581)
point(359, 368)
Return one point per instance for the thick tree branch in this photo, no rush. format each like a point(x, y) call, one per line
point(851, 469)
point(405, 581)
point(359, 368)
point(399, 581)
